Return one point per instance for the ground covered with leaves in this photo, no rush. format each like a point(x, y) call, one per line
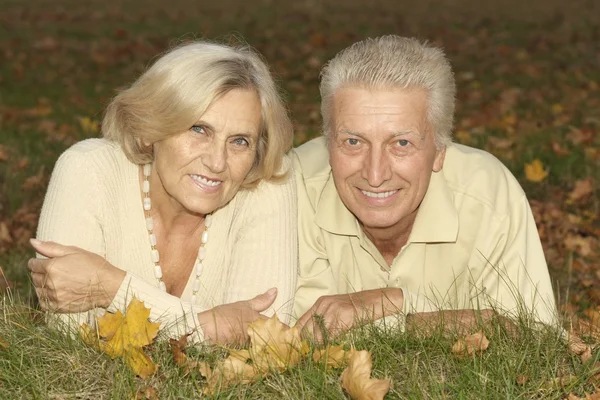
point(528, 76)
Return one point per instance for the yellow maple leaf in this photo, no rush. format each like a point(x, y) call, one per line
point(335, 356)
point(124, 332)
point(275, 345)
point(535, 171)
point(124, 336)
point(356, 378)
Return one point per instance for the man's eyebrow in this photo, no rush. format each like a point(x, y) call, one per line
point(421, 136)
point(349, 132)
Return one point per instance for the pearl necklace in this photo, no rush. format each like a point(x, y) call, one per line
point(198, 267)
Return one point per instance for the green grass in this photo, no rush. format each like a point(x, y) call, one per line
point(39, 363)
point(70, 57)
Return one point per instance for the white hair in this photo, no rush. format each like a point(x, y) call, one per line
point(179, 87)
point(390, 62)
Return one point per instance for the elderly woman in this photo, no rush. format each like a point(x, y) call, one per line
point(185, 203)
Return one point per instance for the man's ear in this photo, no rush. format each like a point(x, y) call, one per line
point(438, 162)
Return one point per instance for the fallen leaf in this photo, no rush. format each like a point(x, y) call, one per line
point(3, 344)
point(140, 362)
point(472, 344)
point(88, 125)
point(124, 336)
point(582, 189)
point(535, 171)
point(335, 356)
point(522, 380)
point(500, 143)
point(177, 347)
point(5, 233)
point(146, 393)
point(578, 347)
point(275, 345)
point(356, 378)
point(579, 244)
point(3, 153)
point(230, 371)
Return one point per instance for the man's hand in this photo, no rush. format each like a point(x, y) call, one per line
point(72, 279)
point(228, 323)
point(335, 314)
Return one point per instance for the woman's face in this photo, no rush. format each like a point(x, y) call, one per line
point(201, 169)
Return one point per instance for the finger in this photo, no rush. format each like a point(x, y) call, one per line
point(305, 318)
point(37, 279)
point(52, 249)
point(38, 265)
point(263, 301)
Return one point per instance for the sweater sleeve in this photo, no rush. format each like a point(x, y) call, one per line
point(265, 252)
point(71, 214)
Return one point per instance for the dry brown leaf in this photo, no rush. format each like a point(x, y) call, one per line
point(274, 345)
point(124, 336)
point(582, 189)
point(3, 344)
point(500, 143)
point(522, 380)
point(5, 235)
point(177, 347)
point(580, 244)
point(335, 356)
point(146, 393)
point(3, 153)
point(472, 344)
point(535, 171)
point(356, 378)
point(230, 371)
point(578, 346)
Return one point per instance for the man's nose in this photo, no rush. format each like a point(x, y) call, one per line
point(377, 168)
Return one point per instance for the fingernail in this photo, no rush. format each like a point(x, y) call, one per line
point(35, 242)
point(272, 291)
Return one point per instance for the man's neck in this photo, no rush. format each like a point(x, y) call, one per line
point(390, 240)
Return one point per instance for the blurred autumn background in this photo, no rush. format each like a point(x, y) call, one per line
point(528, 76)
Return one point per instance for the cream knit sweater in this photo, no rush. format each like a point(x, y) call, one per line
point(94, 202)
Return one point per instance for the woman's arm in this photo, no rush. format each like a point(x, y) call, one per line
point(265, 254)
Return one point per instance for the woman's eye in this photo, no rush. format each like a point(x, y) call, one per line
point(403, 143)
point(198, 129)
point(241, 142)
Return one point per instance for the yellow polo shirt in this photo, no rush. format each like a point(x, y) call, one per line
point(474, 243)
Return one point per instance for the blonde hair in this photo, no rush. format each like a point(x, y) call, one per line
point(177, 89)
point(389, 62)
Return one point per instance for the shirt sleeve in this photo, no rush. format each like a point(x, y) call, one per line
point(265, 252)
point(515, 277)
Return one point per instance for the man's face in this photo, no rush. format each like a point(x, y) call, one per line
point(382, 153)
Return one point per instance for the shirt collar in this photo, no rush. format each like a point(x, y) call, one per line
point(436, 220)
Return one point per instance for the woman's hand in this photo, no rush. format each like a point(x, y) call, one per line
point(72, 279)
point(228, 323)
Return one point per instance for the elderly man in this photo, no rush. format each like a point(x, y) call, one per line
point(394, 218)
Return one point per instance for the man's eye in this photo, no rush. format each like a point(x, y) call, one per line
point(352, 142)
point(198, 129)
point(241, 142)
point(403, 142)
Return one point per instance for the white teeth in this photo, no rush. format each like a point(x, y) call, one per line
point(381, 195)
point(205, 181)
